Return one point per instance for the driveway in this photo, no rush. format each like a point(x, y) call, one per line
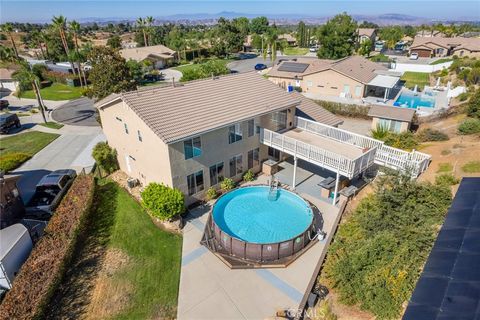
point(246, 65)
point(170, 74)
point(78, 112)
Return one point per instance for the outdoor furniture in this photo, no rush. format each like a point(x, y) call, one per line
point(347, 193)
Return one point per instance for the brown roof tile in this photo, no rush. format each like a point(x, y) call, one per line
point(394, 113)
point(313, 111)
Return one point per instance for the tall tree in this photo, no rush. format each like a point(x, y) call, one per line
point(242, 25)
point(391, 35)
point(28, 79)
point(149, 21)
point(109, 74)
point(141, 25)
point(8, 29)
point(60, 24)
point(337, 37)
point(259, 25)
point(75, 28)
point(301, 35)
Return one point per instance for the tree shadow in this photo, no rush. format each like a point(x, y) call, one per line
point(72, 297)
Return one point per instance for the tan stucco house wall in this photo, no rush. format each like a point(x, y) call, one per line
point(405, 126)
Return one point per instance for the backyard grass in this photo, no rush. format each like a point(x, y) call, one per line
point(52, 125)
point(444, 167)
point(295, 51)
point(17, 149)
point(420, 79)
point(56, 92)
point(441, 61)
point(471, 167)
point(185, 67)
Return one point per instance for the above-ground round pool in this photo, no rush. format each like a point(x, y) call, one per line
point(257, 224)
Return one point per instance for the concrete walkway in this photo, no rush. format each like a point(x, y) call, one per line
point(211, 290)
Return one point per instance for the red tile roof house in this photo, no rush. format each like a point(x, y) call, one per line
point(190, 136)
point(443, 47)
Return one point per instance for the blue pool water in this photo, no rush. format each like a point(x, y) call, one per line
point(248, 214)
point(411, 101)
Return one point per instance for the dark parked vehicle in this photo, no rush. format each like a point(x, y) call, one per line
point(153, 77)
point(8, 121)
point(48, 193)
point(260, 66)
point(4, 104)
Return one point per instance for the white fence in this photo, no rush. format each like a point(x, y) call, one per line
point(427, 68)
point(413, 162)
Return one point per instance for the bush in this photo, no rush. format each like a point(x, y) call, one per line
point(473, 108)
point(447, 179)
point(348, 110)
point(54, 76)
point(227, 184)
point(249, 176)
point(429, 134)
point(463, 96)
point(469, 126)
point(380, 133)
point(12, 160)
point(42, 272)
point(105, 157)
point(405, 140)
point(211, 193)
point(162, 201)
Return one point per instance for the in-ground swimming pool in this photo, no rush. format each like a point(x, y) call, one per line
point(252, 224)
point(412, 101)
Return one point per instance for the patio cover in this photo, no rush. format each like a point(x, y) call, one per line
point(384, 81)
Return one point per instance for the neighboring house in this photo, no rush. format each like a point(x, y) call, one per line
point(430, 34)
point(247, 44)
point(443, 47)
point(11, 203)
point(159, 55)
point(129, 44)
point(351, 77)
point(193, 135)
point(366, 33)
point(310, 110)
point(291, 40)
point(7, 83)
point(394, 119)
point(470, 34)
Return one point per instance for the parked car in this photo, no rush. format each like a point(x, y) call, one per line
point(414, 56)
point(153, 77)
point(260, 66)
point(8, 121)
point(48, 193)
point(313, 49)
point(4, 104)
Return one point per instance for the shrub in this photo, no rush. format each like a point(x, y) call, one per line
point(249, 176)
point(405, 140)
point(473, 108)
point(12, 160)
point(380, 133)
point(429, 134)
point(105, 157)
point(463, 96)
point(54, 76)
point(211, 193)
point(227, 184)
point(162, 201)
point(42, 272)
point(447, 179)
point(348, 110)
point(469, 126)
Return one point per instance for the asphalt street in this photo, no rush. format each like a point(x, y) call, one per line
point(78, 112)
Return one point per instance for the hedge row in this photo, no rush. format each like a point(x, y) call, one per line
point(42, 272)
point(347, 110)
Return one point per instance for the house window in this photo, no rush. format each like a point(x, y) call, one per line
point(273, 154)
point(358, 91)
point(253, 158)
point(235, 133)
point(390, 125)
point(126, 128)
point(251, 127)
point(139, 136)
point(216, 173)
point(195, 182)
point(279, 120)
point(346, 88)
point(236, 164)
point(192, 147)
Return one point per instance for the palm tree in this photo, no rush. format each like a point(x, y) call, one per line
point(141, 26)
point(60, 24)
point(25, 76)
point(75, 28)
point(273, 43)
point(149, 23)
point(8, 28)
point(7, 54)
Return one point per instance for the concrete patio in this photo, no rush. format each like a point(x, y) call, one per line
point(211, 290)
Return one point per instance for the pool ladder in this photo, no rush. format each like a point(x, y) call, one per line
point(273, 193)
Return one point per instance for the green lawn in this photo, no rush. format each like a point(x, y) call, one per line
point(52, 125)
point(153, 271)
point(444, 167)
point(295, 51)
point(441, 61)
point(196, 65)
point(471, 167)
point(416, 78)
point(17, 149)
point(56, 91)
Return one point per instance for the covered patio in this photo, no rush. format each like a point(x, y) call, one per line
point(383, 86)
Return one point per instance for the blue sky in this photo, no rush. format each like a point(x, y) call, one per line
point(38, 10)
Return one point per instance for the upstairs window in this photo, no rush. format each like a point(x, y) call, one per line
point(235, 133)
point(279, 120)
point(192, 147)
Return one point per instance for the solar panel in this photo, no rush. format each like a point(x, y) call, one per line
point(293, 67)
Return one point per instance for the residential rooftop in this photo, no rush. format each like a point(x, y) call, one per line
point(366, 32)
point(309, 109)
point(141, 53)
point(177, 112)
point(393, 113)
point(472, 44)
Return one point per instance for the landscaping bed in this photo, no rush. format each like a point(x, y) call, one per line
point(17, 149)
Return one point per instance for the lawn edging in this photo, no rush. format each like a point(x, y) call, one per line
point(43, 271)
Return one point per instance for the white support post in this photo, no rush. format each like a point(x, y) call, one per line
point(336, 188)
point(386, 95)
point(294, 171)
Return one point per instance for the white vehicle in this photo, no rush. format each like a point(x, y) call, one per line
point(15, 247)
point(414, 56)
point(312, 49)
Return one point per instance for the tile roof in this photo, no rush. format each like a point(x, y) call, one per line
point(472, 44)
point(311, 110)
point(366, 32)
point(394, 113)
point(355, 67)
point(196, 107)
point(141, 53)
